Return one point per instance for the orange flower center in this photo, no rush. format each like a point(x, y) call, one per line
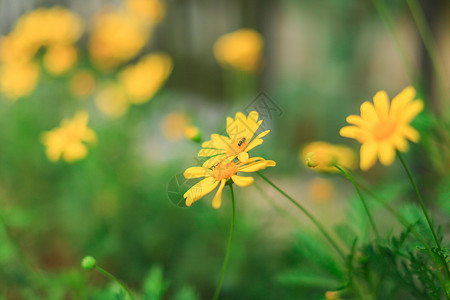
point(383, 129)
point(237, 146)
point(224, 170)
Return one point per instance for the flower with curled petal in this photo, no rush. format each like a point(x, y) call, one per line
point(239, 141)
point(384, 127)
point(219, 175)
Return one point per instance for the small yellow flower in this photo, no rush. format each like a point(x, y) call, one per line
point(60, 58)
point(383, 127)
point(173, 126)
point(142, 80)
point(241, 49)
point(111, 100)
point(68, 140)
point(116, 38)
point(219, 175)
point(322, 156)
point(82, 84)
point(150, 12)
point(18, 79)
point(239, 141)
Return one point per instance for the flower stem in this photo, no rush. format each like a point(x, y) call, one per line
point(114, 278)
point(425, 212)
point(366, 208)
point(309, 215)
point(227, 255)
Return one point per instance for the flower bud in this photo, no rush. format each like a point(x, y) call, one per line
point(88, 263)
point(311, 160)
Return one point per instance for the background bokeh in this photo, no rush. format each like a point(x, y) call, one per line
point(320, 61)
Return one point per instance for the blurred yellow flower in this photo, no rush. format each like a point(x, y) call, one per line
point(68, 140)
point(321, 190)
point(60, 58)
point(49, 26)
point(149, 11)
point(322, 156)
point(384, 128)
point(192, 133)
point(18, 79)
point(142, 80)
point(111, 100)
point(116, 38)
point(333, 295)
point(174, 125)
point(239, 141)
point(82, 84)
point(220, 174)
point(14, 48)
point(241, 49)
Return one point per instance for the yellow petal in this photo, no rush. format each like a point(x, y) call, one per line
point(242, 181)
point(355, 120)
point(196, 172)
point(207, 152)
point(368, 113)
point(74, 151)
point(217, 142)
point(257, 140)
point(243, 156)
point(255, 166)
point(400, 143)
point(411, 111)
point(215, 160)
point(368, 153)
point(399, 101)
point(199, 190)
point(217, 201)
point(411, 134)
point(386, 153)
point(381, 104)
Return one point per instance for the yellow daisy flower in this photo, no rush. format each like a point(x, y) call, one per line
point(322, 156)
point(383, 127)
point(239, 141)
point(219, 175)
point(67, 140)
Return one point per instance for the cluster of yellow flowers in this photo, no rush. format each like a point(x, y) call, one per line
point(228, 155)
point(56, 29)
point(119, 35)
point(382, 128)
point(136, 84)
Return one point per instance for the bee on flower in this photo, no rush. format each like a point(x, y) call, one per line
point(383, 127)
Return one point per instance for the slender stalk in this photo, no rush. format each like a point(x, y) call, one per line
point(411, 227)
point(114, 278)
point(227, 255)
point(366, 208)
point(309, 215)
point(425, 212)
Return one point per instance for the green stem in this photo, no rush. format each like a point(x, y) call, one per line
point(425, 212)
point(114, 278)
point(411, 227)
point(227, 255)
point(366, 208)
point(309, 215)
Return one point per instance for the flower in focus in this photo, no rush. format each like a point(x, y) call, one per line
point(142, 80)
point(322, 156)
point(68, 140)
point(241, 49)
point(82, 84)
point(111, 100)
point(150, 12)
point(321, 190)
point(18, 79)
point(219, 175)
point(116, 38)
point(383, 127)
point(239, 141)
point(60, 58)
